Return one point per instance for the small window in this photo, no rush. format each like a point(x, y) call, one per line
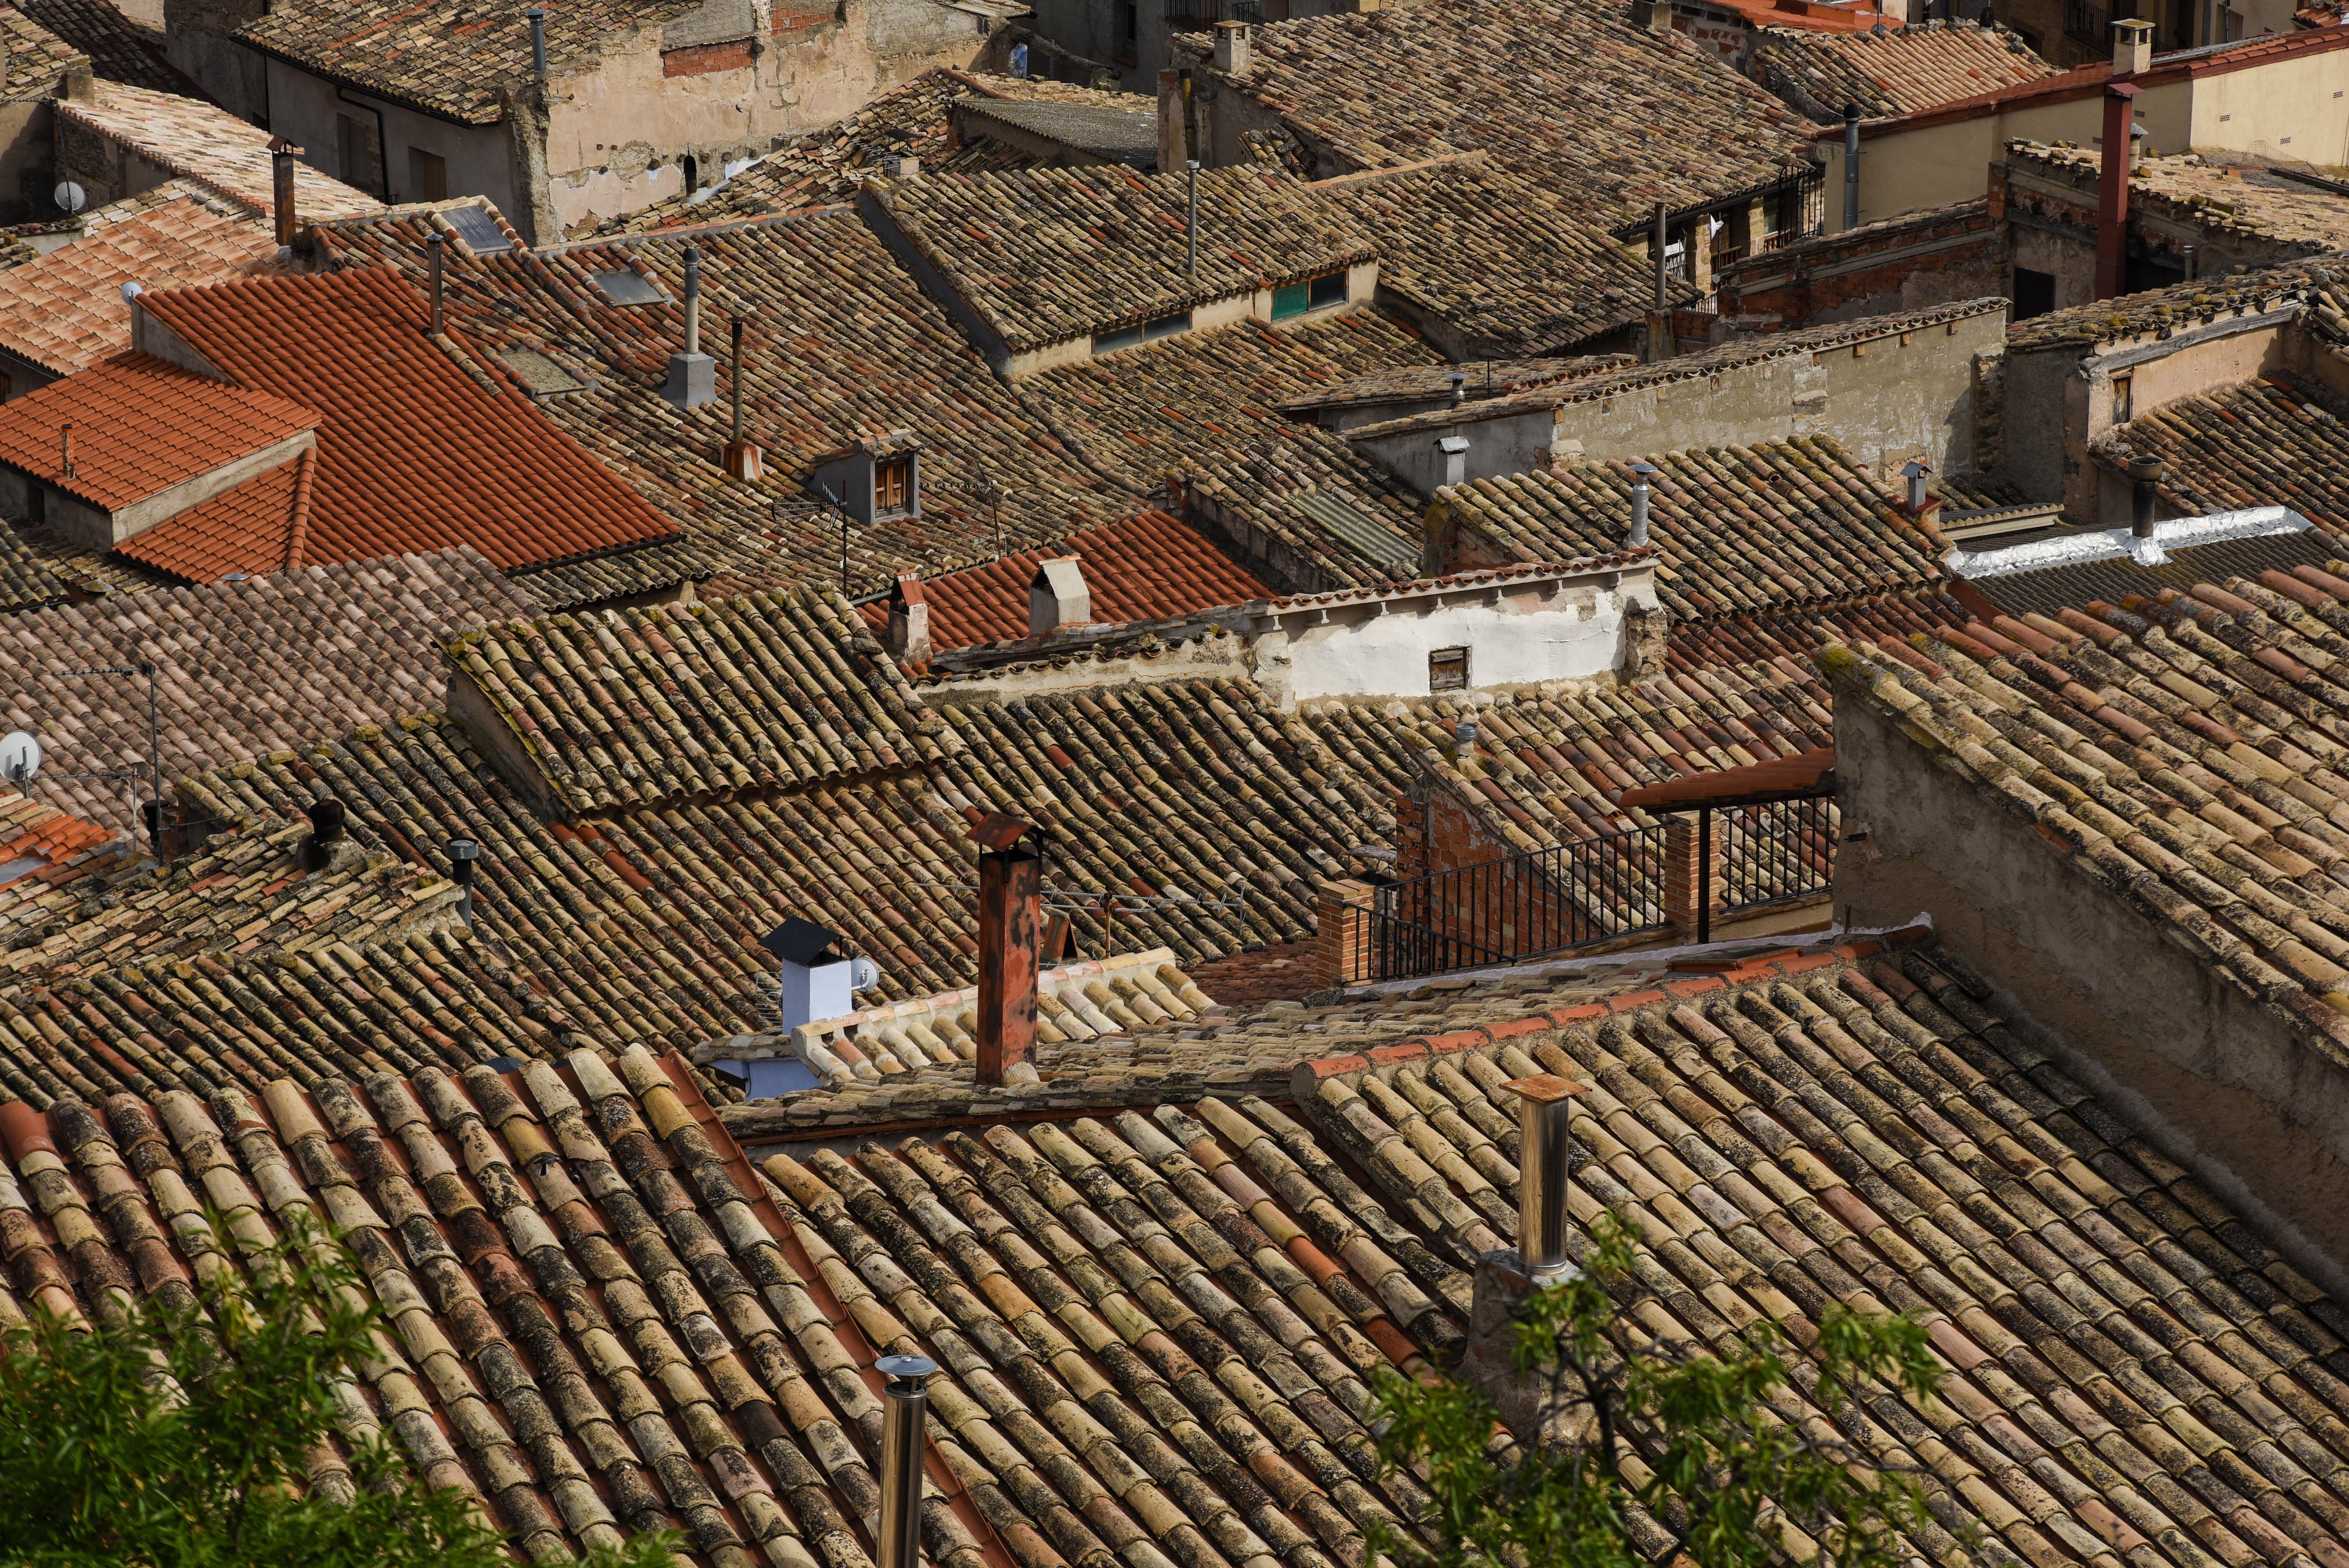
point(360, 153)
point(36, 503)
point(1448, 670)
point(892, 481)
point(692, 174)
point(1314, 294)
point(428, 176)
point(2034, 293)
point(1145, 332)
point(2121, 399)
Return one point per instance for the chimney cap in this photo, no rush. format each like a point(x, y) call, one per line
point(1643, 467)
point(802, 942)
point(1000, 830)
point(1914, 466)
point(1544, 1088)
point(2146, 467)
point(1452, 444)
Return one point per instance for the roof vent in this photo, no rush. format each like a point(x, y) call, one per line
point(1058, 596)
point(692, 374)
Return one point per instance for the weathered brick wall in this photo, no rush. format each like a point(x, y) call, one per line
point(1955, 253)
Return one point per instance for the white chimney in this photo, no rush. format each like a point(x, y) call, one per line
point(819, 983)
point(1058, 597)
point(1232, 49)
point(2132, 47)
point(1451, 462)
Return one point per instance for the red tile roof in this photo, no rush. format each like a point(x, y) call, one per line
point(140, 425)
point(257, 529)
point(64, 312)
point(1140, 568)
point(422, 444)
point(38, 839)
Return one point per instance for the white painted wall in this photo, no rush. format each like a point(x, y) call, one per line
point(1560, 629)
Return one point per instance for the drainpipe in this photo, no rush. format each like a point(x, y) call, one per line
point(2112, 193)
point(1851, 166)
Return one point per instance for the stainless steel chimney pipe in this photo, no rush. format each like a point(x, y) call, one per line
point(1543, 1102)
point(693, 299)
point(1638, 535)
point(905, 1404)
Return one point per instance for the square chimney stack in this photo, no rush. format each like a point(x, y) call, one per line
point(2132, 47)
point(1058, 596)
point(1010, 933)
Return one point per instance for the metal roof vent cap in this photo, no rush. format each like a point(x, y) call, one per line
point(1637, 538)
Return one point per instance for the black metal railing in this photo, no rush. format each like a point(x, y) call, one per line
point(1777, 852)
point(1500, 912)
point(2089, 24)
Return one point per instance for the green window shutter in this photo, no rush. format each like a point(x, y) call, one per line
point(1290, 301)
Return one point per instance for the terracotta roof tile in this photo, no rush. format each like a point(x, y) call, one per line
point(256, 528)
point(1565, 92)
point(1140, 568)
point(2243, 201)
point(1042, 255)
point(141, 425)
point(242, 667)
point(38, 58)
point(1889, 70)
point(2179, 306)
point(421, 445)
point(29, 580)
point(1739, 530)
point(118, 48)
point(630, 708)
point(198, 141)
point(65, 311)
point(2268, 442)
point(1510, 267)
point(1432, 382)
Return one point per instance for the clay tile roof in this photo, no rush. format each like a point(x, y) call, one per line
point(141, 424)
point(1509, 268)
point(117, 49)
point(830, 165)
point(2268, 442)
point(2243, 200)
point(1738, 529)
point(1046, 254)
point(635, 706)
point(256, 528)
point(421, 445)
point(29, 581)
point(1145, 567)
point(2153, 311)
point(444, 56)
point(198, 141)
point(1123, 132)
point(242, 667)
point(37, 838)
point(38, 58)
point(1566, 92)
point(2211, 696)
point(1864, 1126)
point(1893, 71)
point(1422, 383)
point(65, 311)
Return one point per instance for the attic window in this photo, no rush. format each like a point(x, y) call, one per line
point(1145, 332)
point(1448, 670)
point(1312, 294)
point(623, 286)
point(892, 484)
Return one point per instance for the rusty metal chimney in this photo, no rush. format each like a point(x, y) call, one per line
point(66, 435)
point(906, 1405)
point(1010, 929)
point(439, 248)
point(2145, 475)
point(281, 187)
point(1543, 1166)
point(462, 853)
point(2112, 193)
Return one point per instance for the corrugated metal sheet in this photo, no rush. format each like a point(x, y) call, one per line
point(2058, 586)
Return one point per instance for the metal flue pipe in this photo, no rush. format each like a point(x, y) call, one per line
point(905, 1405)
point(693, 299)
point(1851, 166)
point(1543, 1166)
point(1637, 538)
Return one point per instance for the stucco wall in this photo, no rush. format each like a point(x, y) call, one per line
point(1933, 165)
point(2291, 109)
point(1513, 444)
point(304, 107)
point(2259, 1105)
point(2035, 420)
point(1878, 398)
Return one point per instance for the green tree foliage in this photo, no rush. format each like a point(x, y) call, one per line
point(1664, 1436)
point(200, 1435)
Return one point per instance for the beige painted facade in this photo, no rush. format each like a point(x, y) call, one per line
point(2289, 107)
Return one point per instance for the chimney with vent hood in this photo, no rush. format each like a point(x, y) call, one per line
point(1636, 536)
point(819, 981)
point(1451, 460)
point(1010, 931)
point(909, 620)
point(1058, 597)
point(692, 374)
point(1232, 48)
point(2132, 47)
point(2112, 189)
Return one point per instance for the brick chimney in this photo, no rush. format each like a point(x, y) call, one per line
point(909, 620)
point(1058, 597)
point(1010, 927)
point(2112, 193)
point(282, 153)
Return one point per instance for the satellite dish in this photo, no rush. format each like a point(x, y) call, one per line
point(70, 197)
point(20, 757)
point(862, 973)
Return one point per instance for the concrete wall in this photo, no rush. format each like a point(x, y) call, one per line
point(1542, 631)
point(1512, 443)
point(2255, 1110)
point(1901, 393)
point(28, 176)
point(304, 109)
